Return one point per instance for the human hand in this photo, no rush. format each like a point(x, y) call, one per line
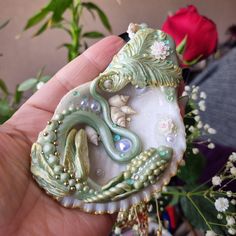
point(25, 208)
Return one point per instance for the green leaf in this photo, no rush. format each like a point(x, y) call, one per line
point(4, 24)
point(45, 78)
point(36, 18)
point(182, 45)
point(66, 45)
point(17, 95)
point(3, 87)
point(57, 7)
point(28, 84)
point(198, 210)
point(193, 62)
point(101, 14)
point(93, 35)
point(192, 170)
point(45, 26)
point(5, 109)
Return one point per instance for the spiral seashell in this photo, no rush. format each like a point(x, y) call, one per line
point(118, 117)
point(92, 135)
point(118, 100)
point(127, 110)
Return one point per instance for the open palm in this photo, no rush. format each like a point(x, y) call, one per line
point(24, 208)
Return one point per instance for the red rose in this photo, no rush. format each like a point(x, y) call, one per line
point(195, 35)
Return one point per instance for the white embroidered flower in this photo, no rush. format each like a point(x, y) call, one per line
point(160, 50)
point(230, 220)
point(210, 233)
point(221, 204)
point(233, 170)
point(232, 157)
point(216, 180)
point(167, 126)
point(232, 231)
point(39, 85)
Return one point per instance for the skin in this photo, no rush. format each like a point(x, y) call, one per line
point(25, 208)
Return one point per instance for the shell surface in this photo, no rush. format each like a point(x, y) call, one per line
point(130, 163)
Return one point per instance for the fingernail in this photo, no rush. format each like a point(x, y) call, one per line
point(124, 36)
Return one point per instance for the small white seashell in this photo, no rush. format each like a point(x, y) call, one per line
point(118, 117)
point(92, 135)
point(128, 110)
point(118, 100)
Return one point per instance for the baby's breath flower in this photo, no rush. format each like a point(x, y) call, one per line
point(191, 129)
point(195, 89)
point(197, 118)
point(211, 131)
point(232, 231)
point(184, 93)
point(230, 220)
point(216, 180)
point(195, 112)
point(229, 164)
point(206, 126)
point(194, 96)
point(210, 233)
point(221, 204)
point(199, 125)
point(187, 88)
point(211, 145)
point(202, 108)
point(233, 170)
point(203, 95)
point(195, 151)
point(219, 216)
point(117, 230)
point(201, 103)
point(232, 157)
point(229, 193)
point(233, 202)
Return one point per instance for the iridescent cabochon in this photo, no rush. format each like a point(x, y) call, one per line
point(117, 140)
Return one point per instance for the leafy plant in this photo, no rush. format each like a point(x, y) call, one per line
point(54, 15)
point(34, 83)
point(8, 101)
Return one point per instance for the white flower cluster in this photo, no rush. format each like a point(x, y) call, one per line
point(222, 204)
point(204, 129)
